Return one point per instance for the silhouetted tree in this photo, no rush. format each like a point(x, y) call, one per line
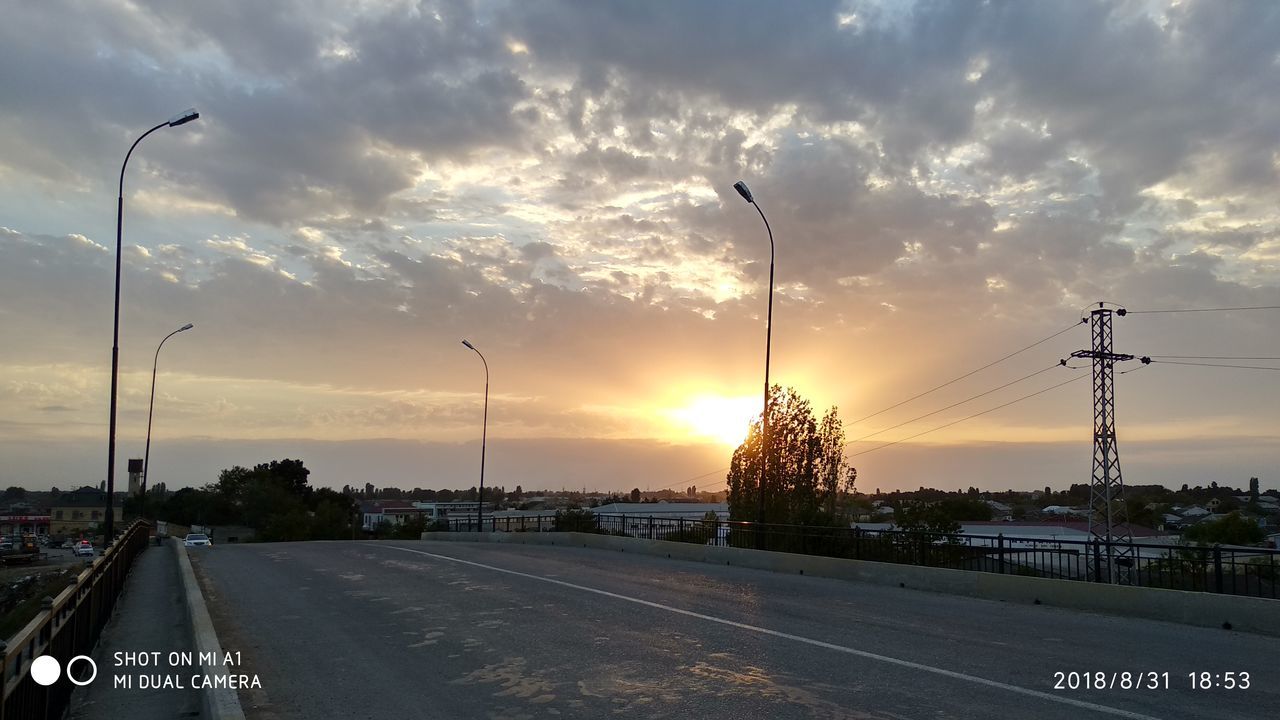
point(1234, 529)
point(807, 472)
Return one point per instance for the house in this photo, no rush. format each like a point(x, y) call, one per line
point(1213, 504)
point(21, 517)
point(374, 514)
point(1192, 513)
point(433, 511)
point(79, 512)
point(688, 511)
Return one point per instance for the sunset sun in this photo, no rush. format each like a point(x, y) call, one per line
point(722, 419)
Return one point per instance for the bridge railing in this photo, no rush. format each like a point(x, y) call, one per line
point(1234, 570)
point(66, 626)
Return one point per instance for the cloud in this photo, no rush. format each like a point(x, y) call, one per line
point(369, 183)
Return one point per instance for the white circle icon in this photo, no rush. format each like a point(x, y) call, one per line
point(45, 670)
point(92, 664)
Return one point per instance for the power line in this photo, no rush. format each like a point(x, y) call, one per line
point(920, 395)
point(1217, 365)
point(970, 417)
point(1202, 310)
point(973, 372)
point(956, 404)
point(1211, 357)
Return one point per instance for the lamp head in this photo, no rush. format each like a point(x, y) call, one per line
point(188, 326)
point(464, 342)
point(744, 191)
point(183, 117)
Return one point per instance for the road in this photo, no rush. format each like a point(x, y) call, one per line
point(459, 630)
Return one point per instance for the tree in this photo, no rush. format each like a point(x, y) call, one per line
point(920, 516)
point(807, 473)
point(13, 492)
point(1253, 489)
point(1234, 529)
point(635, 495)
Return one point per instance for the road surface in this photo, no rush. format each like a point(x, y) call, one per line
point(458, 630)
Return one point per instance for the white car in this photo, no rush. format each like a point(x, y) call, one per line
point(197, 540)
point(84, 548)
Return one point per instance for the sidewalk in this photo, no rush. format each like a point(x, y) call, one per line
point(150, 616)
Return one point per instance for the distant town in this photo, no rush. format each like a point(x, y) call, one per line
point(1249, 515)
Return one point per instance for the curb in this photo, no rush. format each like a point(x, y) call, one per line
point(1238, 612)
point(216, 703)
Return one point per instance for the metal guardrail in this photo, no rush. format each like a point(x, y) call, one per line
point(67, 625)
point(1231, 570)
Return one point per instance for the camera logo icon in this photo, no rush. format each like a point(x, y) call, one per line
point(46, 670)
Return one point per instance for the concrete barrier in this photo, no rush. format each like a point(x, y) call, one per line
point(216, 703)
point(1250, 614)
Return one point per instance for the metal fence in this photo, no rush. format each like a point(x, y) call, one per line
point(67, 625)
point(1232, 570)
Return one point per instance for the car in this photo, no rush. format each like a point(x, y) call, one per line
point(84, 548)
point(197, 540)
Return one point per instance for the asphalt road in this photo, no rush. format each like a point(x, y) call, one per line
point(452, 630)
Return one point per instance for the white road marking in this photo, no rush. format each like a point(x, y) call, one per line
point(798, 638)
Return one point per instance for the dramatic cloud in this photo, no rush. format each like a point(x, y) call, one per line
point(370, 183)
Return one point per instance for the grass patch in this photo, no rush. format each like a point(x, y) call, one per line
point(24, 602)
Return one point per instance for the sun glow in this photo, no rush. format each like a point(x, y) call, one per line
point(713, 417)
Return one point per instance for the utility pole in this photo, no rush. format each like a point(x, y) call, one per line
point(1113, 556)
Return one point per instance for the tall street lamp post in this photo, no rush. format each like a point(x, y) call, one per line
point(484, 431)
point(146, 456)
point(745, 192)
point(181, 118)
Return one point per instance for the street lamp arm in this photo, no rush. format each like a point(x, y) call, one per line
point(770, 231)
point(125, 164)
point(151, 406)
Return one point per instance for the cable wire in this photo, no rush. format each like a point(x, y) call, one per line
point(1201, 310)
point(926, 392)
point(970, 417)
point(1211, 357)
point(952, 405)
point(1217, 365)
point(973, 372)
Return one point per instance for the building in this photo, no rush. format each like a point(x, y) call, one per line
point(374, 514)
point(433, 511)
point(21, 518)
point(80, 512)
point(682, 510)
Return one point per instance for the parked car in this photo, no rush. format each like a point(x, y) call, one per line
point(197, 540)
point(84, 548)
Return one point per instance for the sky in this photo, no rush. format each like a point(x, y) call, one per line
point(371, 182)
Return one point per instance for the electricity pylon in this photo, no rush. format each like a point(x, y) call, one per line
point(1112, 556)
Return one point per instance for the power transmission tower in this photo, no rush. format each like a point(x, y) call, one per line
point(1112, 556)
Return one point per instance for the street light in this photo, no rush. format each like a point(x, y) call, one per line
point(181, 118)
point(146, 457)
point(745, 192)
point(484, 431)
